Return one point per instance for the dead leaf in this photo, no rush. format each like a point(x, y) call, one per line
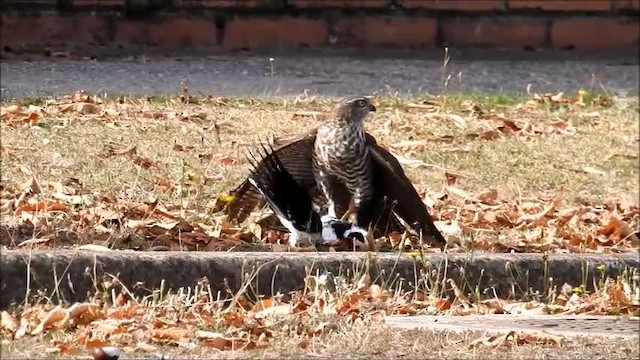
point(304, 343)
point(228, 160)
point(9, 111)
point(144, 162)
point(594, 171)
point(31, 242)
point(43, 206)
point(87, 108)
point(217, 341)
point(30, 119)
point(173, 333)
point(93, 247)
point(283, 309)
point(8, 322)
point(413, 145)
point(304, 114)
point(617, 230)
point(489, 135)
point(489, 197)
point(131, 149)
point(179, 147)
point(412, 163)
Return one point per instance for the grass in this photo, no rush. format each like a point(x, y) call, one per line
point(382, 343)
point(187, 150)
point(72, 146)
point(323, 320)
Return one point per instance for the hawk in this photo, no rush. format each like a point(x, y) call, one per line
point(385, 199)
point(292, 205)
point(341, 156)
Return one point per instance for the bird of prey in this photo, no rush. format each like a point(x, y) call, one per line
point(292, 205)
point(341, 156)
point(362, 177)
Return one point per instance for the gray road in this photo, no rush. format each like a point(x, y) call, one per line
point(327, 73)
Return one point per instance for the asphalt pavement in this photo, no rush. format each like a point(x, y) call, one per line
point(324, 73)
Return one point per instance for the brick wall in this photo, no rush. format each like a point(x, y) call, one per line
point(250, 24)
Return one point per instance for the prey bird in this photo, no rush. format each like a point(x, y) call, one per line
point(292, 205)
point(344, 169)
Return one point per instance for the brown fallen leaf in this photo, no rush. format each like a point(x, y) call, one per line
point(87, 108)
point(304, 343)
point(216, 341)
point(410, 145)
point(541, 337)
point(8, 322)
point(173, 333)
point(304, 114)
point(179, 147)
point(617, 230)
point(43, 205)
point(144, 162)
point(54, 316)
point(30, 119)
point(228, 160)
point(451, 178)
point(9, 111)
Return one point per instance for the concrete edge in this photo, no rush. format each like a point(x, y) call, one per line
point(501, 274)
point(611, 327)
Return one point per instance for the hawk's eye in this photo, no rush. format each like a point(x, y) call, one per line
point(361, 103)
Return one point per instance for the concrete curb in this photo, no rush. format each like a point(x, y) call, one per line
point(285, 272)
point(574, 325)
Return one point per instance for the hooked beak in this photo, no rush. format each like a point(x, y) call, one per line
point(372, 107)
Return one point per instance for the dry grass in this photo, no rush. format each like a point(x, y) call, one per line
point(584, 150)
point(344, 320)
point(68, 145)
point(371, 342)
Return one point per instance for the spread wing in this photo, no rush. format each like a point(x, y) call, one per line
point(391, 183)
point(295, 156)
point(289, 201)
point(393, 191)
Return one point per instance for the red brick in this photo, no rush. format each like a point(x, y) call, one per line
point(273, 4)
point(391, 31)
point(561, 5)
point(167, 32)
point(257, 33)
point(626, 5)
point(493, 32)
point(462, 5)
point(53, 29)
point(99, 3)
point(594, 34)
point(302, 4)
point(44, 3)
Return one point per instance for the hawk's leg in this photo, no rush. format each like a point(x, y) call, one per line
point(325, 186)
point(361, 199)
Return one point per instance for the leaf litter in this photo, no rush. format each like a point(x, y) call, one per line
point(481, 221)
point(197, 318)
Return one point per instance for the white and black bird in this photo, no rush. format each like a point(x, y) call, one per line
point(293, 205)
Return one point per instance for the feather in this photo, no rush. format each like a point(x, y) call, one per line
point(292, 203)
point(393, 198)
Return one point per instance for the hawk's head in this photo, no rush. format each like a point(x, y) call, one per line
point(354, 109)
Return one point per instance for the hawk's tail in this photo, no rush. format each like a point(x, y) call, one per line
point(290, 201)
